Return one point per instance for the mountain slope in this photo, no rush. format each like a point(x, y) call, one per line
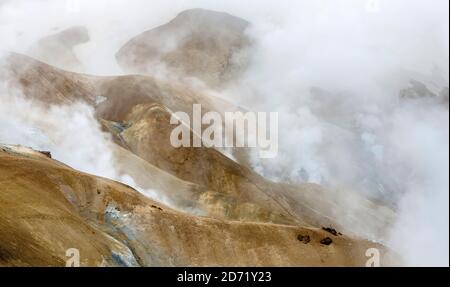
point(58, 49)
point(136, 110)
point(198, 43)
point(47, 208)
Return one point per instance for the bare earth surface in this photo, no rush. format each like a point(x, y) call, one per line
point(47, 208)
point(221, 212)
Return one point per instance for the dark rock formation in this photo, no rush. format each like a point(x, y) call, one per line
point(326, 241)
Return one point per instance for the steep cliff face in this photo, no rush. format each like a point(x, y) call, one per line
point(198, 43)
point(47, 208)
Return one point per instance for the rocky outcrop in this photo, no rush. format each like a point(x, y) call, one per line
point(207, 45)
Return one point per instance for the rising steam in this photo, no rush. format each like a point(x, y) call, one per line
point(333, 69)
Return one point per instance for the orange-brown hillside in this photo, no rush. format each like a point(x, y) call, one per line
point(47, 208)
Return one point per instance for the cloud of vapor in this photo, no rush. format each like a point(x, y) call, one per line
point(332, 68)
point(312, 28)
point(71, 133)
point(334, 71)
point(76, 141)
point(421, 232)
